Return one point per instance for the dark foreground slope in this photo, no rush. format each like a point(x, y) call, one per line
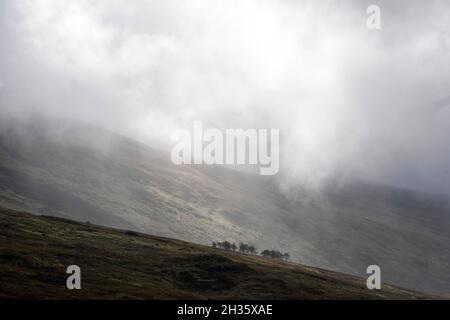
point(36, 250)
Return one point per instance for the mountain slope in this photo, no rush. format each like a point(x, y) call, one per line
point(36, 250)
point(84, 173)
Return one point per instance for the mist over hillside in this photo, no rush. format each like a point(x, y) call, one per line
point(86, 173)
point(348, 100)
point(99, 100)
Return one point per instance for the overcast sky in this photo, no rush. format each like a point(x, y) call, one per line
point(352, 102)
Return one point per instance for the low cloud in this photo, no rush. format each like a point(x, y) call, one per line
point(349, 102)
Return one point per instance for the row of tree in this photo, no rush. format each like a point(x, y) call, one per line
point(274, 254)
point(225, 245)
point(249, 249)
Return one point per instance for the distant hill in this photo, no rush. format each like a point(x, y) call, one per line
point(85, 173)
point(116, 264)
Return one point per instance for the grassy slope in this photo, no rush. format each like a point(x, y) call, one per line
point(35, 251)
point(85, 173)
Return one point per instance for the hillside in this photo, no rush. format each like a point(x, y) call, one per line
point(116, 264)
point(85, 173)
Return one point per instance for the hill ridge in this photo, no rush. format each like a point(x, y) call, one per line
point(123, 264)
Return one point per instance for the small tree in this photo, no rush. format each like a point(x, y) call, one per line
point(266, 253)
point(243, 247)
point(227, 245)
point(277, 254)
point(274, 254)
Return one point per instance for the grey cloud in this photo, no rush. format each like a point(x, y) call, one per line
point(349, 101)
